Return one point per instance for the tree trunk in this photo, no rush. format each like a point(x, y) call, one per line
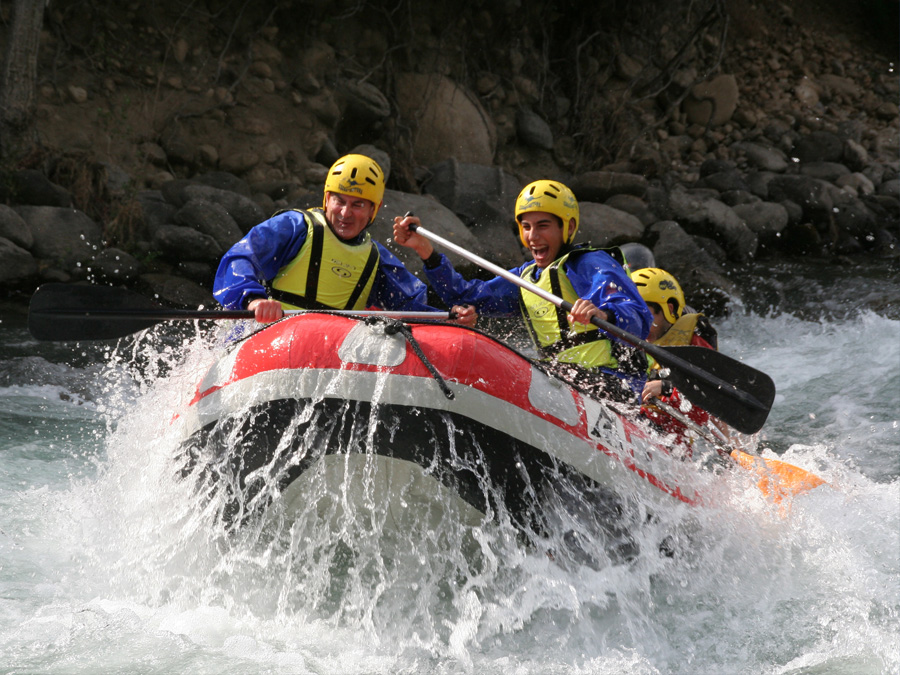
point(19, 75)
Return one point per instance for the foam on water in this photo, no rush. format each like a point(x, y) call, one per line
point(112, 562)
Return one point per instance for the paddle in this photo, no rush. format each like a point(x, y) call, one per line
point(734, 392)
point(777, 479)
point(61, 312)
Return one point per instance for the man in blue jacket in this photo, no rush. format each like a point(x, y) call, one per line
point(591, 279)
point(322, 258)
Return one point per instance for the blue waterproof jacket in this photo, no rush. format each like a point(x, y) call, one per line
point(256, 259)
point(594, 276)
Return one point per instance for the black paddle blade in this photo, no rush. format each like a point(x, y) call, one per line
point(74, 312)
point(743, 398)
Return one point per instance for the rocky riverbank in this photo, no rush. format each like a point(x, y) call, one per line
point(790, 150)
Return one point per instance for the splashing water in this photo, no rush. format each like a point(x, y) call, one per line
point(114, 560)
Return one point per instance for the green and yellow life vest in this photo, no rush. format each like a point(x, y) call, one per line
point(680, 334)
point(328, 273)
point(548, 324)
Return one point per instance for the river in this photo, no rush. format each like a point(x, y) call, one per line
point(105, 565)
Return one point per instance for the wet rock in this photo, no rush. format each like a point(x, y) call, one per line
point(763, 157)
point(364, 102)
point(434, 216)
point(239, 210)
point(890, 188)
point(603, 225)
point(179, 243)
point(32, 187)
point(712, 102)
point(16, 264)
point(855, 156)
point(813, 195)
point(852, 217)
point(767, 219)
point(819, 146)
point(710, 217)
point(802, 239)
point(598, 186)
point(14, 228)
point(476, 193)
point(199, 272)
point(239, 162)
point(449, 120)
point(857, 182)
point(176, 291)
point(155, 212)
point(532, 130)
point(724, 181)
point(115, 265)
point(827, 171)
point(65, 237)
point(635, 206)
point(209, 217)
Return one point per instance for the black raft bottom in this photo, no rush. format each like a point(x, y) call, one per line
point(274, 443)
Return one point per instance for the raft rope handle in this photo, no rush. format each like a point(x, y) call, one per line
point(392, 327)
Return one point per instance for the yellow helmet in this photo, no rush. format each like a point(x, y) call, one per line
point(550, 197)
point(356, 176)
point(660, 287)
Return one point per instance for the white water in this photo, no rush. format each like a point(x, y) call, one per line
point(112, 564)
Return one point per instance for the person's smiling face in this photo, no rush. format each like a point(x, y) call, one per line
point(542, 232)
point(348, 215)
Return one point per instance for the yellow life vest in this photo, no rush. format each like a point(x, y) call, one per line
point(554, 337)
point(328, 273)
point(679, 334)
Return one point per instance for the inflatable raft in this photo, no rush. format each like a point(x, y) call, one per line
point(401, 414)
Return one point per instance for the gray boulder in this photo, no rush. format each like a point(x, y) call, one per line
point(483, 197)
point(598, 186)
point(15, 229)
point(64, 236)
point(724, 181)
point(155, 211)
point(223, 180)
point(813, 195)
point(176, 291)
point(712, 218)
point(180, 243)
point(532, 130)
point(115, 265)
point(448, 120)
point(818, 146)
point(636, 206)
point(828, 171)
point(767, 219)
point(241, 210)
point(763, 157)
point(33, 188)
point(16, 264)
point(604, 226)
point(438, 219)
point(851, 216)
point(209, 218)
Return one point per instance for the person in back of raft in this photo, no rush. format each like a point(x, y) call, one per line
point(672, 326)
point(591, 279)
point(323, 258)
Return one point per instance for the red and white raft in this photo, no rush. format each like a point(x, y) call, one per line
point(411, 412)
